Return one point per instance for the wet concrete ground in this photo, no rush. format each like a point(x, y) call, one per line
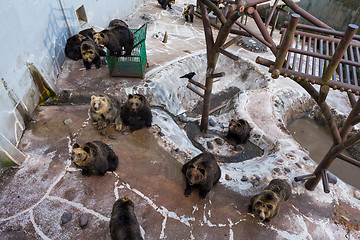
point(35, 195)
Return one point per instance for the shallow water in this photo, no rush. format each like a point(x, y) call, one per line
point(317, 140)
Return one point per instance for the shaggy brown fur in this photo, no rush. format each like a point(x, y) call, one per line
point(94, 158)
point(115, 39)
point(72, 47)
point(89, 32)
point(239, 130)
point(91, 53)
point(105, 110)
point(166, 3)
point(123, 223)
point(203, 172)
point(117, 22)
point(189, 12)
point(136, 112)
point(266, 204)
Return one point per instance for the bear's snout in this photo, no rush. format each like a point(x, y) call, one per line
point(96, 107)
point(262, 216)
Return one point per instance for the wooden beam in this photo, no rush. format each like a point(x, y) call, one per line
point(228, 54)
point(216, 75)
point(231, 42)
point(197, 84)
point(217, 108)
point(195, 91)
point(325, 180)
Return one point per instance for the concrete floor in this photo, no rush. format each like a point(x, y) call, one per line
point(34, 196)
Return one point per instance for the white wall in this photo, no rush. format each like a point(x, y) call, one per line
point(35, 31)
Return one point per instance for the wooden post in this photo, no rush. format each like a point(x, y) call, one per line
point(325, 180)
point(210, 66)
point(324, 90)
point(339, 52)
point(212, 56)
point(285, 45)
point(271, 13)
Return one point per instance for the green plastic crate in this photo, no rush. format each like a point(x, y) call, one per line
point(134, 65)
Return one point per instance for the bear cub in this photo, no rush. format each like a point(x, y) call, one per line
point(94, 158)
point(105, 110)
point(189, 12)
point(136, 112)
point(123, 222)
point(239, 130)
point(266, 204)
point(203, 172)
point(91, 53)
point(115, 39)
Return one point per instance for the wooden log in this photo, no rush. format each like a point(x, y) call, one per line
point(324, 90)
point(304, 177)
point(217, 108)
point(325, 180)
point(231, 42)
point(228, 54)
point(195, 91)
point(202, 86)
point(217, 75)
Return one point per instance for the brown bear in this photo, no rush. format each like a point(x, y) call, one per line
point(91, 53)
point(166, 3)
point(72, 47)
point(117, 22)
point(136, 112)
point(266, 204)
point(105, 110)
point(89, 32)
point(189, 12)
point(123, 222)
point(239, 130)
point(94, 158)
point(203, 172)
point(115, 39)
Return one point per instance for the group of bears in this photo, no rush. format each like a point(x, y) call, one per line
point(106, 110)
point(87, 44)
point(202, 172)
point(96, 157)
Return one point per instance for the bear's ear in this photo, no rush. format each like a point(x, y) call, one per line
point(76, 145)
point(141, 98)
point(87, 149)
point(103, 99)
point(242, 122)
point(130, 96)
point(93, 97)
point(202, 171)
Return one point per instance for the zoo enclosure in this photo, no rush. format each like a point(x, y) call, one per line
point(335, 65)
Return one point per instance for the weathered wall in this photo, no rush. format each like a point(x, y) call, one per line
point(335, 13)
point(33, 31)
